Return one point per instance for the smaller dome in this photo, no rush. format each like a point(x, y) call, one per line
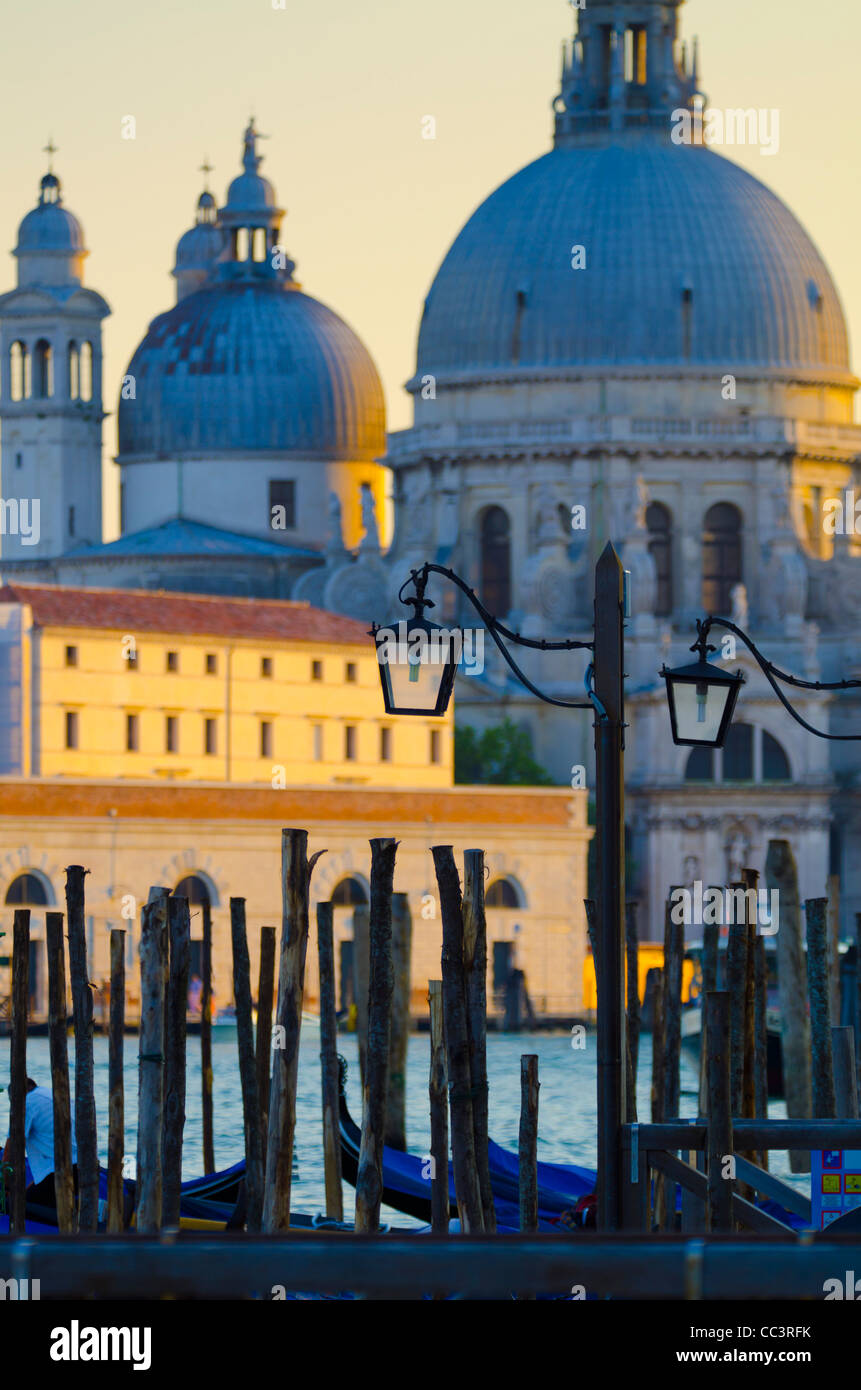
point(198, 247)
point(49, 226)
point(206, 201)
point(250, 193)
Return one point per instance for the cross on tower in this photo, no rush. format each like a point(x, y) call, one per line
point(50, 150)
point(206, 169)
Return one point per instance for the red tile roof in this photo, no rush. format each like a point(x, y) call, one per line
point(137, 610)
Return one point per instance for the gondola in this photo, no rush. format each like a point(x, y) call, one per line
point(560, 1186)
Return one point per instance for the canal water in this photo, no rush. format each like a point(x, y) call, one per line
point(566, 1132)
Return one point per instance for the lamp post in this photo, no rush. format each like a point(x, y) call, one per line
point(418, 662)
point(702, 697)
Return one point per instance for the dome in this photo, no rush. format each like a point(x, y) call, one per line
point(250, 366)
point(49, 226)
point(198, 247)
point(250, 193)
point(690, 262)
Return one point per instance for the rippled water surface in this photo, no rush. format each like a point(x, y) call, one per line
point(566, 1101)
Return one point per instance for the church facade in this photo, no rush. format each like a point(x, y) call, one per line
point(633, 340)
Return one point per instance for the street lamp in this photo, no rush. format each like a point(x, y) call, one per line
point(418, 660)
point(417, 669)
point(702, 698)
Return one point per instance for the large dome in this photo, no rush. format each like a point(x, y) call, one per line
point(251, 366)
point(690, 261)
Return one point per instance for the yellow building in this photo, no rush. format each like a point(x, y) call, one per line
point(111, 683)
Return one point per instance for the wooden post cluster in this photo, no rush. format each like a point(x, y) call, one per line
point(247, 1066)
point(460, 1081)
point(781, 874)
point(82, 1008)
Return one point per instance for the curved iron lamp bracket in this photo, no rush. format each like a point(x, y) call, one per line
point(773, 674)
point(497, 630)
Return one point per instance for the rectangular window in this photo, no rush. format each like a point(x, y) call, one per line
point(316, 670)
point(266, 667)
point(19, 460)
point(131, 657)
point(265, 738)
point(71, 728)
point(71, 521)
point(210, 737)
point(435, 745)
point(350, 743)
point(172, 663)
point(211, 664)
point(385, 745)
point(282, 504)
point(350, 673)
point(132, 733)
point(171, 734)
point(71, 656)
point(318, 743)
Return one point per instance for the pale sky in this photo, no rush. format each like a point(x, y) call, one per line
point(341, 89)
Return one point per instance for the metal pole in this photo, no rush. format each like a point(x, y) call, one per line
point(610, 832)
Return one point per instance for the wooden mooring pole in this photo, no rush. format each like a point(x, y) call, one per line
point(116, 1091)
point(369, 1178)
point(475, 983)
point(632, 959)
point(438, 1092)
point(153, 954)
point(329, 1062)
point(720, 1141)
point(361, 966)
point(59, 1053)
point(845, 1078)
point(466, 1183)
point(179, 960)
point(396, 1091)
point(674, 950)
point(247, 1066)
point(18, 1066)
point(819, 986)
point(82, 1008)
point(781, 874)
point(296, 870)
point(528, 1143)
point(265, 1002)
point(206, 1040)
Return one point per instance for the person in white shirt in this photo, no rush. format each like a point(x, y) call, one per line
point(39, 1145)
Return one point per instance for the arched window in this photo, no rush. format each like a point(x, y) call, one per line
point(196, 889)
point(27, 891)
point(502, 893)
point(738, 754)
point(19, 372)
point(86, 372)
point(350, 892)
point(721, 556)
point(659, 524)
point(74, 372)
point(775, 764)
point(44, 369)
point(700, 766)
point(496, 561)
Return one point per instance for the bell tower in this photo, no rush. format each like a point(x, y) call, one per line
point(624, 70)
point(50, 389)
